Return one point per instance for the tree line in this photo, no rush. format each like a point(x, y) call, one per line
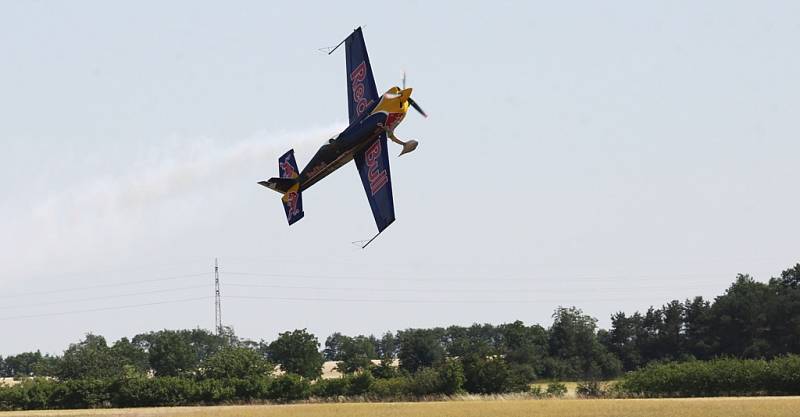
point(751, 320)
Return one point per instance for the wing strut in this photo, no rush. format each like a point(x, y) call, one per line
point(370, 241)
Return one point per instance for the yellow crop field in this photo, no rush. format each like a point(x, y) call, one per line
point(699, 407)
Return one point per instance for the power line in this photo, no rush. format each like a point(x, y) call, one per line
point(400, 301)
point(90, 287)
point(451, 290)
point(486, 278)
point(76, 300)
point(63, 313)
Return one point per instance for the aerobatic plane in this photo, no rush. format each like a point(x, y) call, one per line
point(373, 118)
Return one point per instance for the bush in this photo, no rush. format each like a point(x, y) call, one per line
point(591, 389)
point(330, 388)
point(488, 375)
point(390, 388)
point(424, 382)
point(451, 377)
point(81, 393)
point(556, 389)
point(37, 393)
point(360, 383)
point(236, 362)
point(289, 387)
point(215, 391)
point(251, 388)
point(385, 370)
point(159, 391)
point(717, 377)
point(12, 398)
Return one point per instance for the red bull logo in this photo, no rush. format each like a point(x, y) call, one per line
point(377, 177)
point(357, 85)
point(394, 119)
point(287, 170)
point(291, 199)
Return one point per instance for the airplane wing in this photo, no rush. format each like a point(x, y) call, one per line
point(361, 90)
point(373, 166)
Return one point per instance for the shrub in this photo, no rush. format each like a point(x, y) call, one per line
point(12, 398)
point(37, 393)
point(160, 391)
point(451, 377)
point(424, 382)
point(329, 388)
point(591, 389)
point(385, 370)
point(81, 393)
point(289, 387)
point(236, 362)
point(487, 375)
point(360, 383)
point(717, 377)
point(215, 391)
point(251, 388)
point(556, 389)
point(390, 388)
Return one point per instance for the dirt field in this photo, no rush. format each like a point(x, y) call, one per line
point(702, 407)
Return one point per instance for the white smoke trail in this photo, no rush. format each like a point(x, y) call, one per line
point(172, 175)
point(94, 219)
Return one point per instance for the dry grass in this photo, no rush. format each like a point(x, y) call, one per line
point(698, 407)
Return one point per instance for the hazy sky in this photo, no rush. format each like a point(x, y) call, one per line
point(609, 155)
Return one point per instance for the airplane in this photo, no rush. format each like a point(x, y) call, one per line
point(373, 118)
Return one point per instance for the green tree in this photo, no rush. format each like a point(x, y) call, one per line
point(573, 342)
point(297, 352)
point(524, 349)
point(622, 340)
point(356, 354)
point(25, 364)
point(89, 358)
point(697, 324)
point(131, 354)
point(741, 319)
point(236, 362)
point(387, 346)
point(784, 314)
point(486, 375)
point(333, 347)
point(451, 377)
point(420, 348)
point(170, 353)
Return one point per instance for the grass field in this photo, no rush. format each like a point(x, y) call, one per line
point(723, 407)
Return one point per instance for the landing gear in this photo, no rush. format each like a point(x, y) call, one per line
point(408, 146)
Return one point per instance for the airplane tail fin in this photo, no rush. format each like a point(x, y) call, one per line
point(288, 184)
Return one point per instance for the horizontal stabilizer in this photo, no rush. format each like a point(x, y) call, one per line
point(281, 185)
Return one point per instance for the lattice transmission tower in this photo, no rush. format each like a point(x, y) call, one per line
point(217, 300)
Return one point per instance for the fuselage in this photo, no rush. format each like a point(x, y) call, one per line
point(384, 115)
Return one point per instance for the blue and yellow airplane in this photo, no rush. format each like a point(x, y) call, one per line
point(373, 118)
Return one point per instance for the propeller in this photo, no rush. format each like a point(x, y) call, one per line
point(411, 100)
point(416, 107)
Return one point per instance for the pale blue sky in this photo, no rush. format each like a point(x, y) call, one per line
point(609, 155)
